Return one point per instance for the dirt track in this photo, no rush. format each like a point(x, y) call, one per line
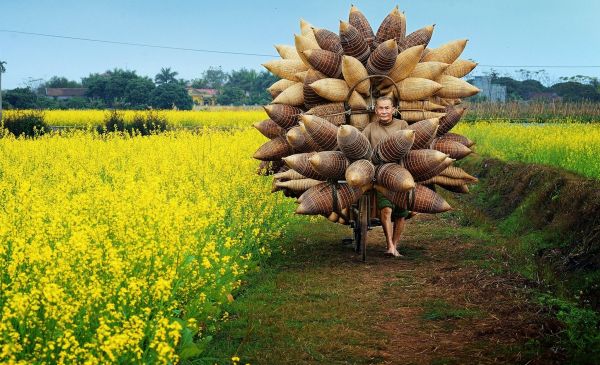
point(448, 301)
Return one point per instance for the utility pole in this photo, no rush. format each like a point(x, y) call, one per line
point(2, 69)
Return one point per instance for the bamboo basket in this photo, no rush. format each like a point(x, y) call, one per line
point(360, 173)
point(415, 116)
point(448, 121)
point(424, 132)
point(304, 43)
point(453, 149)
point(422, 163)
point(300, 185)
point(415, 89)
point(296, 138)
point(360, 22)
point(330, 164)
point(453, 87)
point(273, 150)
point(458, 173)
point(332, 112)
point(394, 147)
point(417, 38)
point(285, 69)
point(460, 68)
point(359, 121)
point(326, 62)
point(394, 177)
point(353, 143)
point(287, 52)
point(447, 53)
point(382, 59)
point(354, 71)
point(419, 105)
point(392, 27)
point(331, 89)
point(444, 180)
point(308, 139)
point(462, 189)
point(404, 64)
point(354, 43)
point(290, 174)
point(278, 86)
point(293, 95)
point(429, 70)
point(301, 76)
point(286, 116)
point(299, 162)
point(458, 138)
point(311, 98)
point(268, 128)
point(329, 41)
point(321, 131)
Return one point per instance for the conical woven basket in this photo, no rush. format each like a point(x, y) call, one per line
point(453, 87)
point(421, 163)
point(332, 112)
point(321, 131)
point(290, 174)
point(447, 53)
point(424, 132)
point(394, 177)
point(382, 59)
point(354, 43)
point(293, 95)
point(311, 98)
point(285, 69)
point(273, 150)
point(460, 68)
point(269, 128)
point(416, 116)
point(420, 105)
point(392, 27)
point(331, 89)
point(300, 185)
point(286, 116)
point(458, 173)
point(354, 71)
point(326, 62)
point(278, 87)
point(357, 19)
point(418, 37)
point(287, 52)
point(429, 70)
point(330, 164)
point(453, 149)
point(360, 173)
point(300, 163)
point(404, 64)
point(448, 121)
point(394, 147)
point(353, 143)
point(415, 88)
point(328, 40)
point(458, 138)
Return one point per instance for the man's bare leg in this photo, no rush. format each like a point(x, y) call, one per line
point(386, 223)
point(398, 229)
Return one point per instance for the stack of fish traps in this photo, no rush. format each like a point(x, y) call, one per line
point(325, 97)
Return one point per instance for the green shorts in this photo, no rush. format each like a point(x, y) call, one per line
point(397, 212)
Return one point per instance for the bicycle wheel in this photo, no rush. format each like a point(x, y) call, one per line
point(363, 224)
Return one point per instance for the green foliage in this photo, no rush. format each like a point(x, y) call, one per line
point(143, 123)
point(581, 336)
point(436, 310)
point(21, 98)
point(171, 94)
point(59, 81)
point(113, 87)
point(246, 87)
point(27, 123)
point(213, 78)
point(165, 76)
point(574, 91)
point(114, 121)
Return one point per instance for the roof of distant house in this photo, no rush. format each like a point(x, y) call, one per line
point(204, 92)
point(66, 91)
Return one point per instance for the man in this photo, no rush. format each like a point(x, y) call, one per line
point(375, 132)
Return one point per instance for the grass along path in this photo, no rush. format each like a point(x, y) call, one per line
point(449, 301)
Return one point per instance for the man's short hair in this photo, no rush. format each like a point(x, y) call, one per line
point(385, 97)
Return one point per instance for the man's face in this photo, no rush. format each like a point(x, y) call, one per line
point(384, 110)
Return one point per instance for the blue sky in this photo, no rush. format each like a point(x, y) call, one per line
point(507, 32)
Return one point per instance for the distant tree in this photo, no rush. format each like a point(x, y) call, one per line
point(21, 98)
point(213, 78)
point(167, 95)
point(59, 81)
point(2, 70)
point(112, 86)
point(165, 76)
point(231, 95)
point(574, 91)
point(138, 91)
point(252, 83)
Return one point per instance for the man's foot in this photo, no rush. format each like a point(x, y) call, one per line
point(393, 252)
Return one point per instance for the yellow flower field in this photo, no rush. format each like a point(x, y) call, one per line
point(572, 146)
point(122, 249)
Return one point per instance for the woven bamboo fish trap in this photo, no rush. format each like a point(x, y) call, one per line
point(320, 199)
point(279, 86)
point(332, 112)
point(429, 70)
point(326, 62)
point(321, 131)
point(330, 164)
point(453, 149)
point(448, 121)
point(273, 150)
point(415, 116)
point(447, 53)
point(458, 138)
point(453, 87)
point(360, 22)
point(420, 105)
point(359, 121)
point(417, 38)
point(421, 163)
point(405, 63)
point(331, 89)
point(445, 180)
point(360, 173)
point(293, 95)
point(355, 73)
point(394, 177)
point(392, 27)
point(308, 139)
point(354, 43)
point(304, 43)
point(285, 69)
point(311, 98)
point(415, 88)
point(382, 59)
point(301, 76)
point(353, 143)
point(394, 147)
point(462, 189)
point(424, 132)
point(328, 40)
point(300, 163)
point(300, 185)
point(269, 128)
point(425, 200)
point(297, 139)
point(460, 68)
point(458, 173)
point(287, 52)
point(290, 174)
point(286, 116)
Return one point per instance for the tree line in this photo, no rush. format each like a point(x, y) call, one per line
point(125, 89)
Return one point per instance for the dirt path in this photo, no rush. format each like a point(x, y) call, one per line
point(449, 301)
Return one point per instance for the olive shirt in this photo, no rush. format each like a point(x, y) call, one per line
point(376, 131)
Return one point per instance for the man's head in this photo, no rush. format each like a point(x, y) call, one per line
point(384, 109)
